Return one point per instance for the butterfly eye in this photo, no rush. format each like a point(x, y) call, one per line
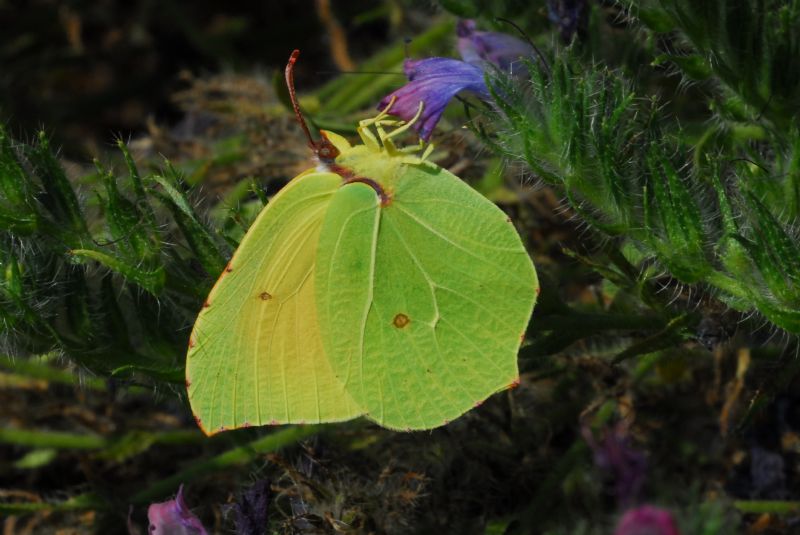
point(325, 149)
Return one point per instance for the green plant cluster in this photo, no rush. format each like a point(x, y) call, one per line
point(113, 278)
point(714, 209)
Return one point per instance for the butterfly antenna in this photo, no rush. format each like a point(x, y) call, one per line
point(293, 97)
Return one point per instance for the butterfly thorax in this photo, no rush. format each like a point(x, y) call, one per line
point(378, 161)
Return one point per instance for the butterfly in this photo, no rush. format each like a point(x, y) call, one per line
point(377, 284)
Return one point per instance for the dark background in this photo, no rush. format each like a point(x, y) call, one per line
point(89, 70)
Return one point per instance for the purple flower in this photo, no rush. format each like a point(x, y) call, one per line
point(173, 517)
point(435, 81)
point(251, 509)
point(569, 15)
point(500, 49)
point(647, 520)
point(614, 454)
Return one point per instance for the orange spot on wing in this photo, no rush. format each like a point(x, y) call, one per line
point(207, 304)
point(265, 296)
point(192, 343)
point(188, 383)
point(401, 320)
point(228, 268)
point(246, 424)
point(514, 384)
point(478, 403)
point(274, 422)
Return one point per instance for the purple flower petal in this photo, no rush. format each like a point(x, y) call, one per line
point(503, 50)
point(433, 81)
point(614, 454)
point(568, 15)
point(647, 520)
point(251, 509)
point(173, 517)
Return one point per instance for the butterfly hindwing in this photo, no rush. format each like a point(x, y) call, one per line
point(424, 299)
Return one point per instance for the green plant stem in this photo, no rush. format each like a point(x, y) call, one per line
point(667, 337)
point(37, 370)
point(74, 441)
point(776, 507)
point(81, 502)
point(567, 329)
point(51, 439)
point(234, 457)
point(42, 368)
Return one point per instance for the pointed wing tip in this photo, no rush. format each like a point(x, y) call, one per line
point(210, 432)
point(199, 422)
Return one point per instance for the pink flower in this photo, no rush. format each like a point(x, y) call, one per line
point(173, 517)
point(614, 453)
point(647, 520)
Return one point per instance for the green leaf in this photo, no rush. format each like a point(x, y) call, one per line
point(17, 212)
point(775, 252)
point(694, 67)
point(130, 231)
point(36, 459)
point(462, 8)
point(198, 236)
point(681, 245)
point(150, 280)
point(59, 197)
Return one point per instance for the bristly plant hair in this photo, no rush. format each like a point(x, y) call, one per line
point(583, 129)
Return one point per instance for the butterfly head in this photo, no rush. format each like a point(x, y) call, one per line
point(377, 158)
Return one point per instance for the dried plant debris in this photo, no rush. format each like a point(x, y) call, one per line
point(317, 495)
point(232, 128)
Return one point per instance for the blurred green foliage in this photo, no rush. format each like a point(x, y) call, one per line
point(128, 314)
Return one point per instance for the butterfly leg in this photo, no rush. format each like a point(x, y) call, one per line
point(366, 134)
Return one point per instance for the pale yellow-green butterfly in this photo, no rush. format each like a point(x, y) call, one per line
point(377, 284)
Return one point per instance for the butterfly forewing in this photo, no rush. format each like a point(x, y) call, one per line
point(255, 354)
